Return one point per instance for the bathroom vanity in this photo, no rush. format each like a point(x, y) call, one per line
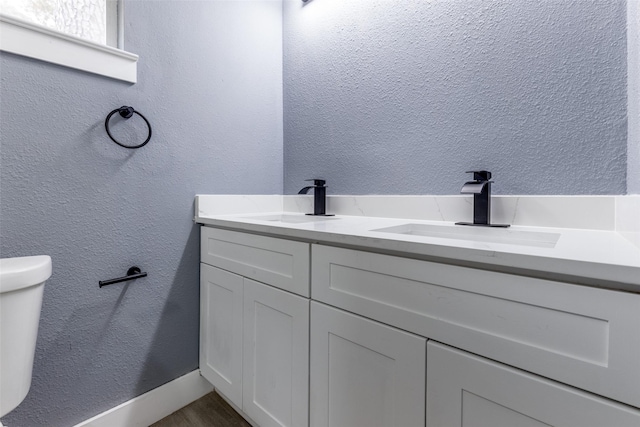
point(354, 321)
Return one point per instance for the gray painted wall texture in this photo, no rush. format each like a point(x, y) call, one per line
point(380, 97)
point(403, 97)
point(210, 83)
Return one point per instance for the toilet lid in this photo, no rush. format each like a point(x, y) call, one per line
point(22, 272)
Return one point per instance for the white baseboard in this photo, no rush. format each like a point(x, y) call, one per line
point(146, 409)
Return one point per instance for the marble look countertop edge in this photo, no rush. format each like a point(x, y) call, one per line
point(584, 270)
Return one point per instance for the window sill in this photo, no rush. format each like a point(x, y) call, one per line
point(35, 41)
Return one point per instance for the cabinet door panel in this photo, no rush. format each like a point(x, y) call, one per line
point(276, 356)
point(469, 391)
point(221, 296)
point(363, 373)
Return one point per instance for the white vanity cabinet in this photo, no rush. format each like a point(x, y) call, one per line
point(364, 373)
point(388, 340)
point(254, 338)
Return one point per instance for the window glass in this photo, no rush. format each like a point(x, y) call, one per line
point(87, 19)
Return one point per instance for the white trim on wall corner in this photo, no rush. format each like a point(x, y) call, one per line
point(146, 409)
point(35, 41)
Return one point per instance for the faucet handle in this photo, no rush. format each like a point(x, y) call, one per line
point(317, 182)
point(480, 175)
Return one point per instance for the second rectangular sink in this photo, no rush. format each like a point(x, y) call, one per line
point(477, 234)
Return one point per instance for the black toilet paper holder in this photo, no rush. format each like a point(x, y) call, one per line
point(132, 273)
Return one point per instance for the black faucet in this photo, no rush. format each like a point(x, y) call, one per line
point(480, 187)
point(319, 196)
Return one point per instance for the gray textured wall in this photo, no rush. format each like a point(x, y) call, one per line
point(210, 83)
point(404, 96)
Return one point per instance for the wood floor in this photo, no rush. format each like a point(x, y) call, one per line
point(208, 411)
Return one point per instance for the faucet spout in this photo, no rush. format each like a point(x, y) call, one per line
point(474, 187)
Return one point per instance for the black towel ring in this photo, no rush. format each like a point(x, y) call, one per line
point(126, 112)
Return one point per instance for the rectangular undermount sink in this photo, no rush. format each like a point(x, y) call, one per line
point(477, 234)
point(292, 219)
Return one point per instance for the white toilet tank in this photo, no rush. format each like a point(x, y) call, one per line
point(21, 287)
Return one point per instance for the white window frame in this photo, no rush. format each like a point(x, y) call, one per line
point(36, 41)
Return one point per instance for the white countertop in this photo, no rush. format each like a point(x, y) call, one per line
point(591, 257)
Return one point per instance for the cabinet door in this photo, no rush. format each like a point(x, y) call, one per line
point(470, 391)
point(221, 331)
point(276, 356)
point(363, 373)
